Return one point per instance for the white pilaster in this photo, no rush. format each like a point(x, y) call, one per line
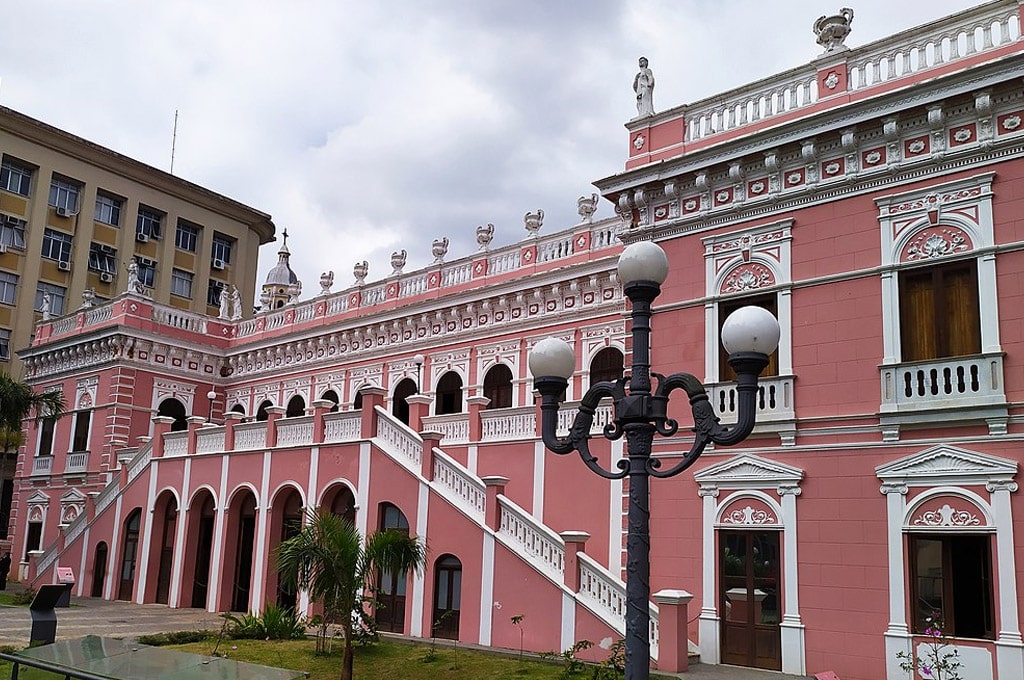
point(487, 589)
point(538, 480)
point(216, 562)
point(259, 577)
point(113, 561)
point(709, 626)
point(178, 563)
point(419, 577)
point(897, 635)
point(791, 629)
point(146, 526)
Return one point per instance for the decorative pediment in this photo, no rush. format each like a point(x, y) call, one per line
point(38, 498)
point(945, 464)
point(73, 496)
point(748, 471)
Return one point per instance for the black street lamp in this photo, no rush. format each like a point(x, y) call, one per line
point(418, 360)
point(750, 334)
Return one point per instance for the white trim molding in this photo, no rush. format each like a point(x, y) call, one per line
point(759, 493)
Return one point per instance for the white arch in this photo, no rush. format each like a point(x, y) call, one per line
point(971, 497)
point(280, 487)
point(203, 487)
point(755, 494)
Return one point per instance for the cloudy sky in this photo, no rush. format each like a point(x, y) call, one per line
point(367, 127)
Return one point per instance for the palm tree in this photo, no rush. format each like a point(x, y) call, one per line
point(330, 559)
point(18, 401)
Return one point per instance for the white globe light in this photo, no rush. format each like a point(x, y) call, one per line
point(211, 395)
point(552, 357)
point(643, 261)
point(419, 359)
point(751, 329)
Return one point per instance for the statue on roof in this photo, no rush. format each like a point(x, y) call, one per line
point(643, 86)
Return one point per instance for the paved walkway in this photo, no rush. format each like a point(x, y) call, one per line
point(92, 616)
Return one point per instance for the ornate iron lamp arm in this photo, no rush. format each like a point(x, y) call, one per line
point(579, 434)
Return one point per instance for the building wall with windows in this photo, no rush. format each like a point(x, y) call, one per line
point(871, 202)
point(74, 214)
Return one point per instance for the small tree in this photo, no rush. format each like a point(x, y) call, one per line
point(330, 559)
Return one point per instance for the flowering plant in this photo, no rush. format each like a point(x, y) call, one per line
point(940, 660)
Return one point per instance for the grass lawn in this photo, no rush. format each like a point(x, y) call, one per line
point(8, 598)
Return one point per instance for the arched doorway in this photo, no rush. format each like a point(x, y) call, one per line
point(447, 597)
point(99, 569)
point(341, 502)
point(196, 571)
point(239, 541)
point(606, 365)
point(285, 522)
point(331, 396)
point(399, 406)
point(165, 524)
point(129, 555)
point(172, 408)
point(498, 386)
point(261, 412)
point(296, 407)
point(390, 614)
point(448, 394)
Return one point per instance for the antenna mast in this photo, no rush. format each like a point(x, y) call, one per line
point(174, 139)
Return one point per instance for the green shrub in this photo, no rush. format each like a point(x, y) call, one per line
point(276, 623)
point(23, 596)
point(181, 637)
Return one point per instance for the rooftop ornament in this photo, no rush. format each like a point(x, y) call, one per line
point(832, 30)
point(484, 236)
point(533, 222)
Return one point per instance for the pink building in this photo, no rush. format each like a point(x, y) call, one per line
point(869, 199)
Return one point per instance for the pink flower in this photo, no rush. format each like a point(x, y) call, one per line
point(926, 671)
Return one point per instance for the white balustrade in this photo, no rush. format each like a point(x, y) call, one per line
point(246, 328)
point(336, 304)
point(176, 318)
point(605, 595)
point(345, 426)
point(76, 462)
point(557, 248)
point(305, 311)
point(373, 295)
point(528, 536)
point(140, 462)
point(398, 440)
point(508, 424)
point(459, 485)
point(176, 444)
point(504, 261)
point(210, 440)
point(250, 436)
point(275, 320)
point(456, 274)
point(454, 427)
point(106, 496)
point(774, 399)
point(295, 431)
point(943, 383)
point(603, 414)
point(605, 233)
point(98, 315)
point(41, 465)
point(414, 285)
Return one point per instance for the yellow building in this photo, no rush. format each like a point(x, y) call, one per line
point(74, 215)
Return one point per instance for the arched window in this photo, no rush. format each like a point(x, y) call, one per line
point(172, 408)
point(341, 503)
point(449, 394)
point(390, 612)
point(129, 555)
point(399, 406)
point(498, 386)
point(332, 396)
point(238, 408)
point(296, 407)
point(606, 365)
point(357, 403)
point(261, 412)
point(447, 596)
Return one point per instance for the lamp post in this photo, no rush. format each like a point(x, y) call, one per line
point(211, 395)
point(750, 334)
point(419, 359)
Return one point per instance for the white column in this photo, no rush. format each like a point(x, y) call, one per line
point(791, 629)
point(897, 635)
point(615, 524)
point(990, 310)
point(708, 626)
point(177, 565)
point(418, 577)
point(259, 579)
point(146, 525)
point(113, 563)
point(217, 561)
point(487, 588)
point(538, 480)
point(1009, 646)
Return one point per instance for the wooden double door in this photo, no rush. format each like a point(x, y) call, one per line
point(749, 576)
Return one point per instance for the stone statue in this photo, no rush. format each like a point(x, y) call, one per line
point(326, 281)
point(533, 222)
point(586, 207)
point(643, 85)
point(832, 30)
point(44, 306)
point(88, 298)
point(225, 305)
point(236, 303)
point(295, 290)
point(265, 300)
point(360, 271)
point(484, 236)
point(439, 249)
point(134, 284)
point(398, 261)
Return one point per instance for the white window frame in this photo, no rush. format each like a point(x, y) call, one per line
point(108, 210)
point(52, 239)
point(181, 283)
point(11, 170)
point(64, 194)
point(149, 222)
point(8, 288)
point(58, 297)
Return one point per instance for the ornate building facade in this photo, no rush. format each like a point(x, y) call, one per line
point(869, 199)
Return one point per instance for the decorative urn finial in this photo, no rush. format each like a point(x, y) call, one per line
point(398, 261)
point(439, 249)
point(586, 207)
point(832, 30)
point(533, 222)
point(326, 281)
point(484, 236)
point(360, 270)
